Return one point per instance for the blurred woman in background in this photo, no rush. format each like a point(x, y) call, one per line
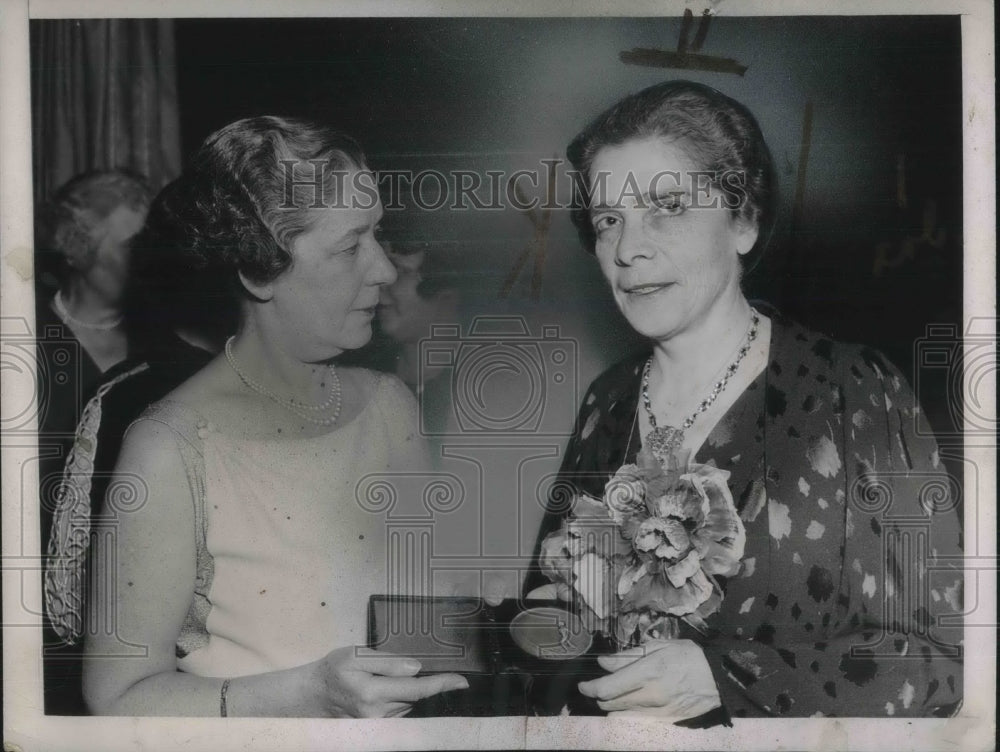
point(83, 238)
point(83, 250)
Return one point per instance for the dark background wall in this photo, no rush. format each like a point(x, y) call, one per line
point(868, 242)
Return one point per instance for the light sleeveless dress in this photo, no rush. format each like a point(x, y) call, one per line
point(287, 554)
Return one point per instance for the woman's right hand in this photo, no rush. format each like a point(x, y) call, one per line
point(364, 683)
point(552, 592)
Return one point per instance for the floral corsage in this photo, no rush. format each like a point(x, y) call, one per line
point(647, 554)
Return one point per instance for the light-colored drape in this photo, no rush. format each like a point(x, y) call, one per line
point(104, 94)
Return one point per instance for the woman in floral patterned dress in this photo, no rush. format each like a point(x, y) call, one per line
point(852, 546)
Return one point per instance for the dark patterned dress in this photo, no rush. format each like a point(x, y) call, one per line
point(853, 533)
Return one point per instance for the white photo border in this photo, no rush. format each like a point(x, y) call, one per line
point(27, 728)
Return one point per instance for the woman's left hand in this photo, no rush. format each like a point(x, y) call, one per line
point(663, 678)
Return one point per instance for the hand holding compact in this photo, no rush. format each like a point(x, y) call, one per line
point(663, 678)
point(551, 592)
point(365, 683)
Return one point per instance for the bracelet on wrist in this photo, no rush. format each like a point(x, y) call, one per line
point(223, 709)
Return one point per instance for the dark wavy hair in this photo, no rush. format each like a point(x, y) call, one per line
point(234, 211)
point(64, 226)
point(717, 132)
point(171, 290)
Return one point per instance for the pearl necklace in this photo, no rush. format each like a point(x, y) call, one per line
point(67, 318)
point(294, 406)
point(664, 441)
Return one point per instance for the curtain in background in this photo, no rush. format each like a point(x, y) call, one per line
point(103, 95)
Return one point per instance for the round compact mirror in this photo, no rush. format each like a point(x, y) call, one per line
point(550, 633)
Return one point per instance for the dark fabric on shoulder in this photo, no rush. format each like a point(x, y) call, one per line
point(67, 377)
point(595, 449)
point(171, 366)
point(606, 416)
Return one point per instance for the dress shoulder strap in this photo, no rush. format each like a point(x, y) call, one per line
point(185, 422)
point(190, 429)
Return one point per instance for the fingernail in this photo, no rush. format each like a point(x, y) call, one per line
point(412, 665)
point(461, 683)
